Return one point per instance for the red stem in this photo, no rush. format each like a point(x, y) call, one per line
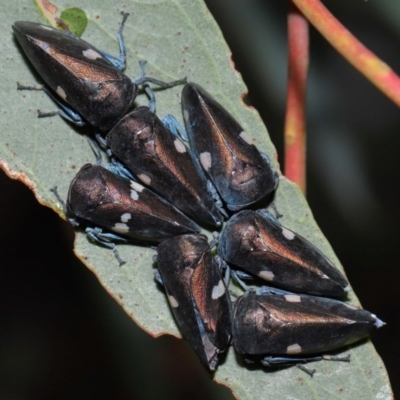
point(295, 120)
point(374, 69)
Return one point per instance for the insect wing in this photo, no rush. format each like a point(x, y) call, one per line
point(240, 173)
point(77, 72)
point(294, 324)
point(162, 162)
point(124, 206)
point(197, 294)
point(261, 246)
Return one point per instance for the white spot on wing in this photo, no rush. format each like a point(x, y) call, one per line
point(266, 275)
point(218, 290)
point(293, 349)
point(61, 92)
point(134, 195)
point(292, 298)
point(180, 147)
point(126, 217)
point(120, 228)
point(205, 160)
point(145, 179)
point(289, 235)
point(172, 301)
point(137, 186)
point(185, 115)
point(91, 54)
point(246, 137)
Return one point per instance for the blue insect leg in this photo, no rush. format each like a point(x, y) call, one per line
point(150, 93)
point(271, 361)
point(243, 275)
point(96, 150)
point(214, 241)
point(119, 62)
point(224, 269)
point(103, 144)
point(146, 79)
point(114, 165)
point(65, 111)
point(158, 278)
point(106, 239)
point(119, 169)
point(218, 202)
point(173, 125)
point(236, 276)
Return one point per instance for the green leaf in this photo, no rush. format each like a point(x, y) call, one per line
point(75, 19)
point(177, 38)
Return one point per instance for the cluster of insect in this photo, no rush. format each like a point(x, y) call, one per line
point(158, 189)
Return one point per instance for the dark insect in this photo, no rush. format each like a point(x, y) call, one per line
point(197, 295)
point(241, 174)
point(79, 75)
point(124, 207)
point(285, 327)
point(164, 163)
point(255, 242)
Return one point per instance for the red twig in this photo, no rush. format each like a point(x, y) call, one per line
point(295, 120)
point(374, 69)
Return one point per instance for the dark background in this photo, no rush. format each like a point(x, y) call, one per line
point(62, 336)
